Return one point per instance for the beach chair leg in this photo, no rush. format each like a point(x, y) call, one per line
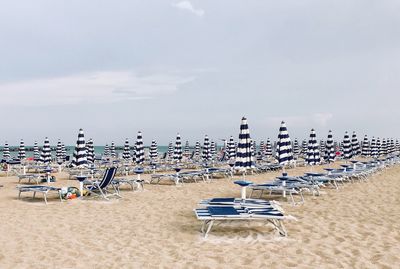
point(19, 195)
point(210, 224)
point(34, 194)
point(45, 197)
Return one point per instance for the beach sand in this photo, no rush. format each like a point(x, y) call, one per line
point(357, 226)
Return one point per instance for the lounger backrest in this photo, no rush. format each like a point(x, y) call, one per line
point(109, 175)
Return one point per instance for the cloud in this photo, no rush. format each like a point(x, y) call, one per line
point(303, 121)
point(97, 87)
point(186, 5)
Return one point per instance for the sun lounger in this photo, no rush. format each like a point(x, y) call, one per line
point(41, 189)
point(212, 214)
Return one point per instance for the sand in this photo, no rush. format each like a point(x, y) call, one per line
point(357, 226)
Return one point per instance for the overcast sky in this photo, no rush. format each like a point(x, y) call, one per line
point(196, 67)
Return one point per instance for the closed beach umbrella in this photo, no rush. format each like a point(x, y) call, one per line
point(90, 151)
point(365, 151)
point(347, 148)
point(139, 149)
point(36, 153)
point(113, 153)
point(79, 158)
point(355, 145)
point(106, 151)
point(284, 146)
point(197, 148)
point(213, 150)
point(313, 156)
point(330, 148)
point(59, 152)
point(186, 150)
point(206, 155)
point(253, 147)
point(64, 152)
point(244, 159)
point(45, 156)
point(126, 154)
point(153, 152)
point(268, 149)
point(374, 148)
point(231, 149)
point(21, 150)
point(170, 152)
point(296, 147)
point(178, 149)
point(261, 149)
point(382, 148)
point(6, 152)
point(322, 147)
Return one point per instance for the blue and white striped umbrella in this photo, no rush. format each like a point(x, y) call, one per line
point(186, 151)
point(206, 150)
point(313, 156)
point(397, 146)
point(197, 148)
point(59, 152)
point(382, 148)
point(139, 149)
point(178, 149)
point(231, 149)
point(392, 146)
point(45, 156)
point(6, 152)
point(374, 148)
point(153, 152)
point(355, 145)
point(64, 152)
point(213, 150)
point(261, 149)
point(253, 148)
point(347, 148)
point(170, 152)
point(113, 152)
point(296, 147)
point(365, 151)
point(322, 147)
point(36, 153)
point(330, 148)
point(304, 147)
point(244, 159)
point(284, 151)
point(106, 151)
point(21, 150)
point(126, 154)
point(90, 151)
point(79, 158)
point(268, 149)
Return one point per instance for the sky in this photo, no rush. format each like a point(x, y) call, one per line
point(192, 67)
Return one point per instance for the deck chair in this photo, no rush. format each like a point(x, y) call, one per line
point(102, 188)
point(212, 214)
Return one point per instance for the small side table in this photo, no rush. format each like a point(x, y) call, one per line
point(243, 184)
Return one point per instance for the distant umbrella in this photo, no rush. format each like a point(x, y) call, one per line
point(139, 149)
point(21, 150)
point(186, 151)
point(347, 148)
point(59, 152)
point(36, 153)
point(79, 158)
point(374, 148)
point(6, 151)
point(355, 145)
point(268, 149)
point(253, 147)
point(231, 149)
point(113, 153)
point(206, 155)
point(365, 151)
point(64, 152)
point(304, 146)
point(153, 152)
point(284, 147)
point(106, 151)
point(382, 148)
point(322, 147)
point(170, 152)
point(197, 151)
point(178, 149)
point(45, 156)
point(296, 147)
point(213, 150)
point(313, 156)
point(244, 159)
point(261, 149)
point(126, 154)
point(330, 148)
point(90, 151)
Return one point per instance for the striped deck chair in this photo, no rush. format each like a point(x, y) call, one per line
point(102, 188)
